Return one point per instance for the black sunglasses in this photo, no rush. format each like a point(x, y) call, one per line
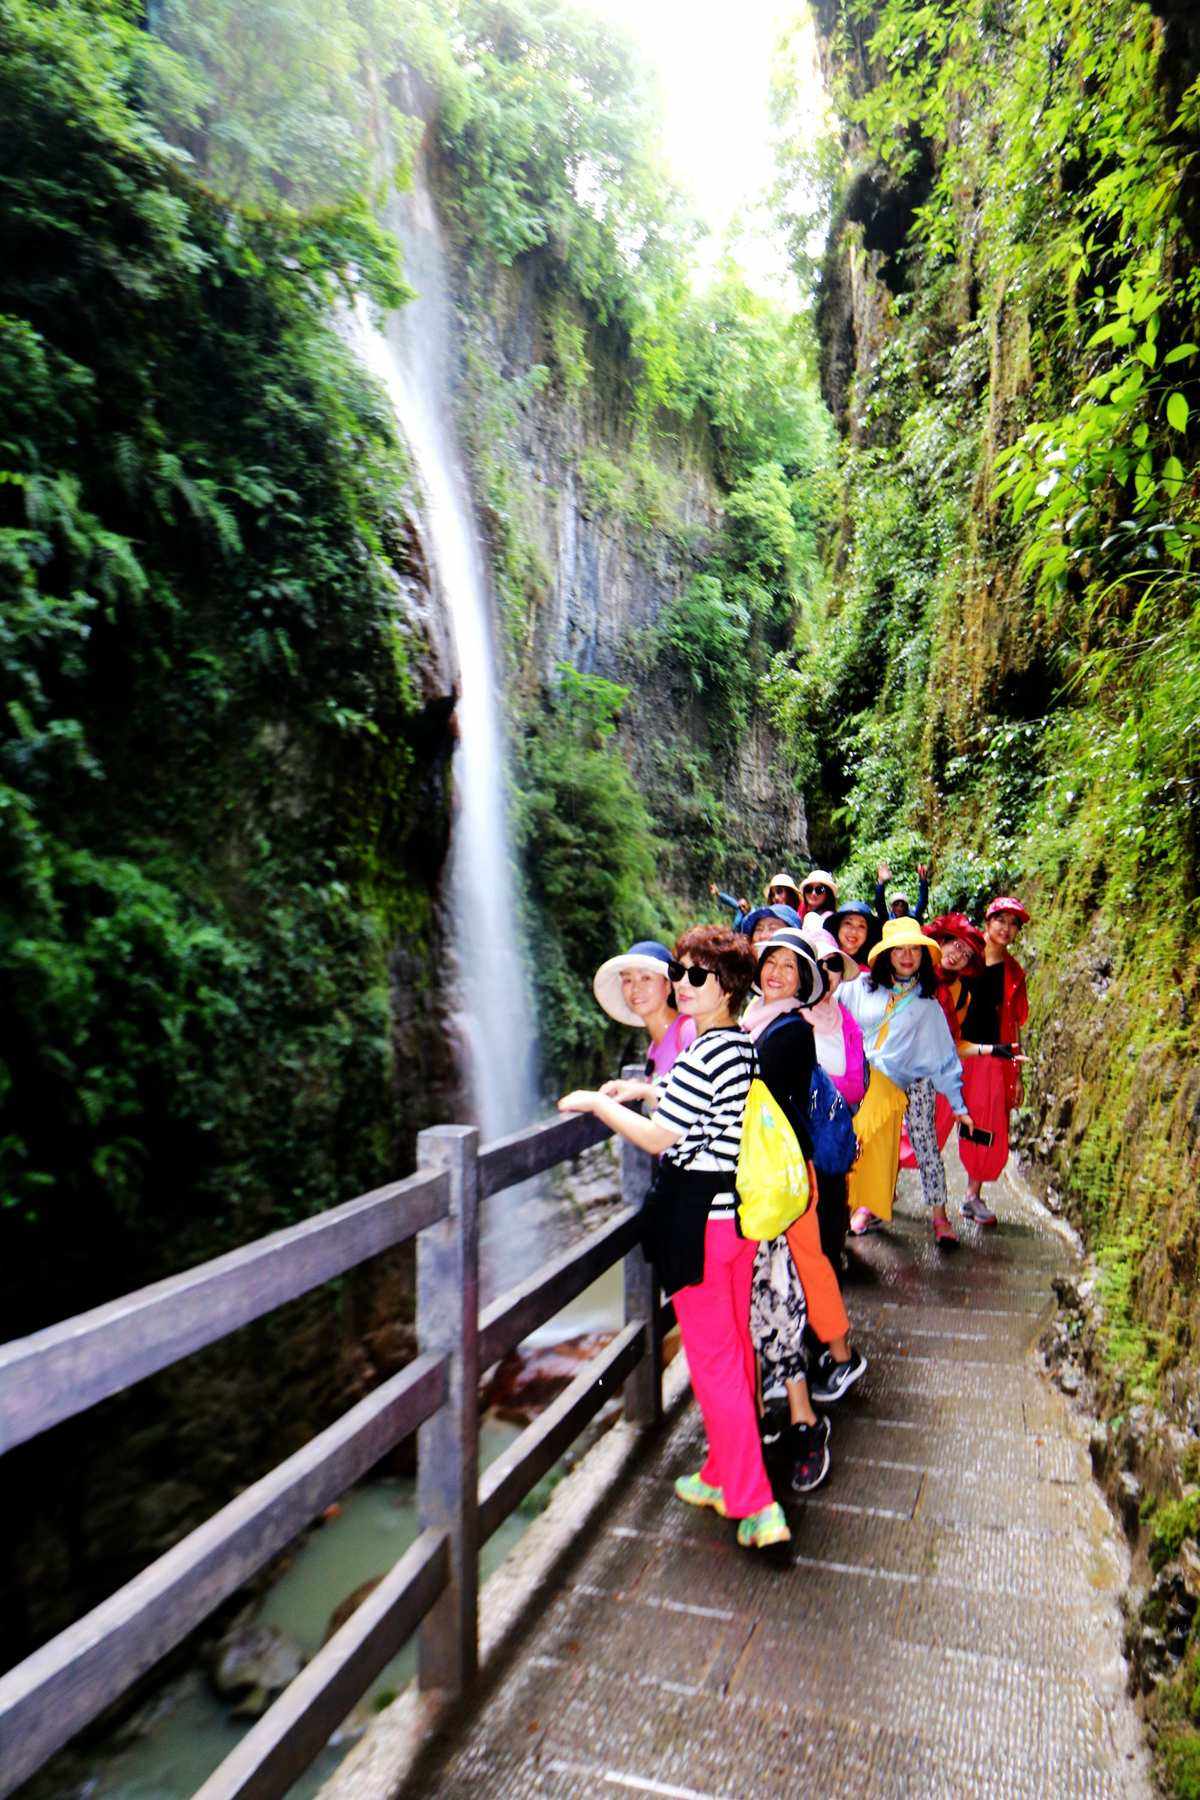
point(696, 975)
point(814, 887)
point(832, 962)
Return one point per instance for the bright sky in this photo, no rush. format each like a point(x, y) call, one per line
point(713, 58)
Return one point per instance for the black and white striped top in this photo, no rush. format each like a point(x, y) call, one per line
point(704, 1099)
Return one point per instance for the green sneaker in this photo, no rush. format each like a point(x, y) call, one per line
point(699, 1493)
point(762, 1529)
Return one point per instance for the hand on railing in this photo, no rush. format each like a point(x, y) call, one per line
point(630, 1092)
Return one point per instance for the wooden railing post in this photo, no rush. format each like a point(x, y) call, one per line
point(643, 1389)
point(448, 1443)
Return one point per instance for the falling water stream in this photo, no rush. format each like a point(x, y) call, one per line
point(410, 354)
point(411, 357)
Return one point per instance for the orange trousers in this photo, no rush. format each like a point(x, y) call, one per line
point(826, 1310)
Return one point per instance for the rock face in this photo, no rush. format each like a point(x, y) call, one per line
point(609, 525)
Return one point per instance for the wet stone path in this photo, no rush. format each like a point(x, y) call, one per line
point(945, 1623)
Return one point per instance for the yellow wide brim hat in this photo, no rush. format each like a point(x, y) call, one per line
point(900, 934)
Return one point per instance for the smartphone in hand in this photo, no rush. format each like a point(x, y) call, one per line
point(976, 1134)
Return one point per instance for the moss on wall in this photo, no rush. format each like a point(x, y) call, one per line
point(1008, 674)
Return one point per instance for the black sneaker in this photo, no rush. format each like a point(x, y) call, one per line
point(833, 1380)
point(809, 1445)
point(773, 1427)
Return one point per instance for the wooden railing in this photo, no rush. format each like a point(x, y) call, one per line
point(433, 1589)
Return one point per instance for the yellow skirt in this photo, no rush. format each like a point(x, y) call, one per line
point(877, 1125)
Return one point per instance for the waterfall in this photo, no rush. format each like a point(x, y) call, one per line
point(411, 356)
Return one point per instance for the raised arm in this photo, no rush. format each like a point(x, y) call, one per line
point(882, 876)
point(647, 1134)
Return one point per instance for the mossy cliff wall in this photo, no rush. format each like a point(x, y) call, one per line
point(1008, 312)
point(611, 518)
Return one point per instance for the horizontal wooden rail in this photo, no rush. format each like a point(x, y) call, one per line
point(512, 1316)
point(539, 1447)
point(296, 1729)
point(66, 1368)
point(509, 1160)
point(63, 1686)
point(61, 1371)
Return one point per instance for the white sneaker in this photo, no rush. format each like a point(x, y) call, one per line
point(974, 1207)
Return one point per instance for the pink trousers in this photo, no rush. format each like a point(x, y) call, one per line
point(714, 1323)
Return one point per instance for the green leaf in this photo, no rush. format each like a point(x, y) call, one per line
point(1146, 305)
point(1180, 353)
point(1177, 411)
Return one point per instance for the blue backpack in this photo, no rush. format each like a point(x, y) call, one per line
point(830, 1126)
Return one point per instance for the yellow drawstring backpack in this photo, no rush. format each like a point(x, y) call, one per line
point(772, 1176)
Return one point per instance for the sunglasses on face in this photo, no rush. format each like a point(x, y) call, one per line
point(815, 887)
point(696, 975)
point(832, 963)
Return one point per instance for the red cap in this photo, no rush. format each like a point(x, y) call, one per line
point(1006, 903)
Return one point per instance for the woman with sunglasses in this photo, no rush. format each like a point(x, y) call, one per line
point(818, 893)
point(689, 1220)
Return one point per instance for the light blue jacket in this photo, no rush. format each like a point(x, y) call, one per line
point(918, 1041)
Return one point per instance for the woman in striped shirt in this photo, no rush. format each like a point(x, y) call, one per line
point(690, 1227)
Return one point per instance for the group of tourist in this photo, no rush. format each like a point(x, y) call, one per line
point(872, 1033)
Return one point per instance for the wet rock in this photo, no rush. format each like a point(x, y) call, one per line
point(1152, 1658)
point(1189, 1567)
point(531, 1376)
point(350, 1605)
point(1098, 1448)
point(252, 1665)
point(1129, 1501)
point(1136, 1435)
point(1172, 1599)
point(1070, 1378)
point(1066, 1292)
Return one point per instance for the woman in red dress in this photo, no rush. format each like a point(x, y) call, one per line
point(991, 1050)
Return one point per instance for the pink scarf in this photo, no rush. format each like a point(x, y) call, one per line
point(838, 1041)
point(759, 1014)
point(825, 1017)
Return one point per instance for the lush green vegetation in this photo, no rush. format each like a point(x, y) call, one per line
point(209, 766)
point(1006, 670)
point(214, 750)
point(596, 881)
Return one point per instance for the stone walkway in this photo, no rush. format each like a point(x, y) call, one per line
point(945, 1624)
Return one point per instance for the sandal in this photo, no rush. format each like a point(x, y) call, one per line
point(944, 1234)
point(862, 1220)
